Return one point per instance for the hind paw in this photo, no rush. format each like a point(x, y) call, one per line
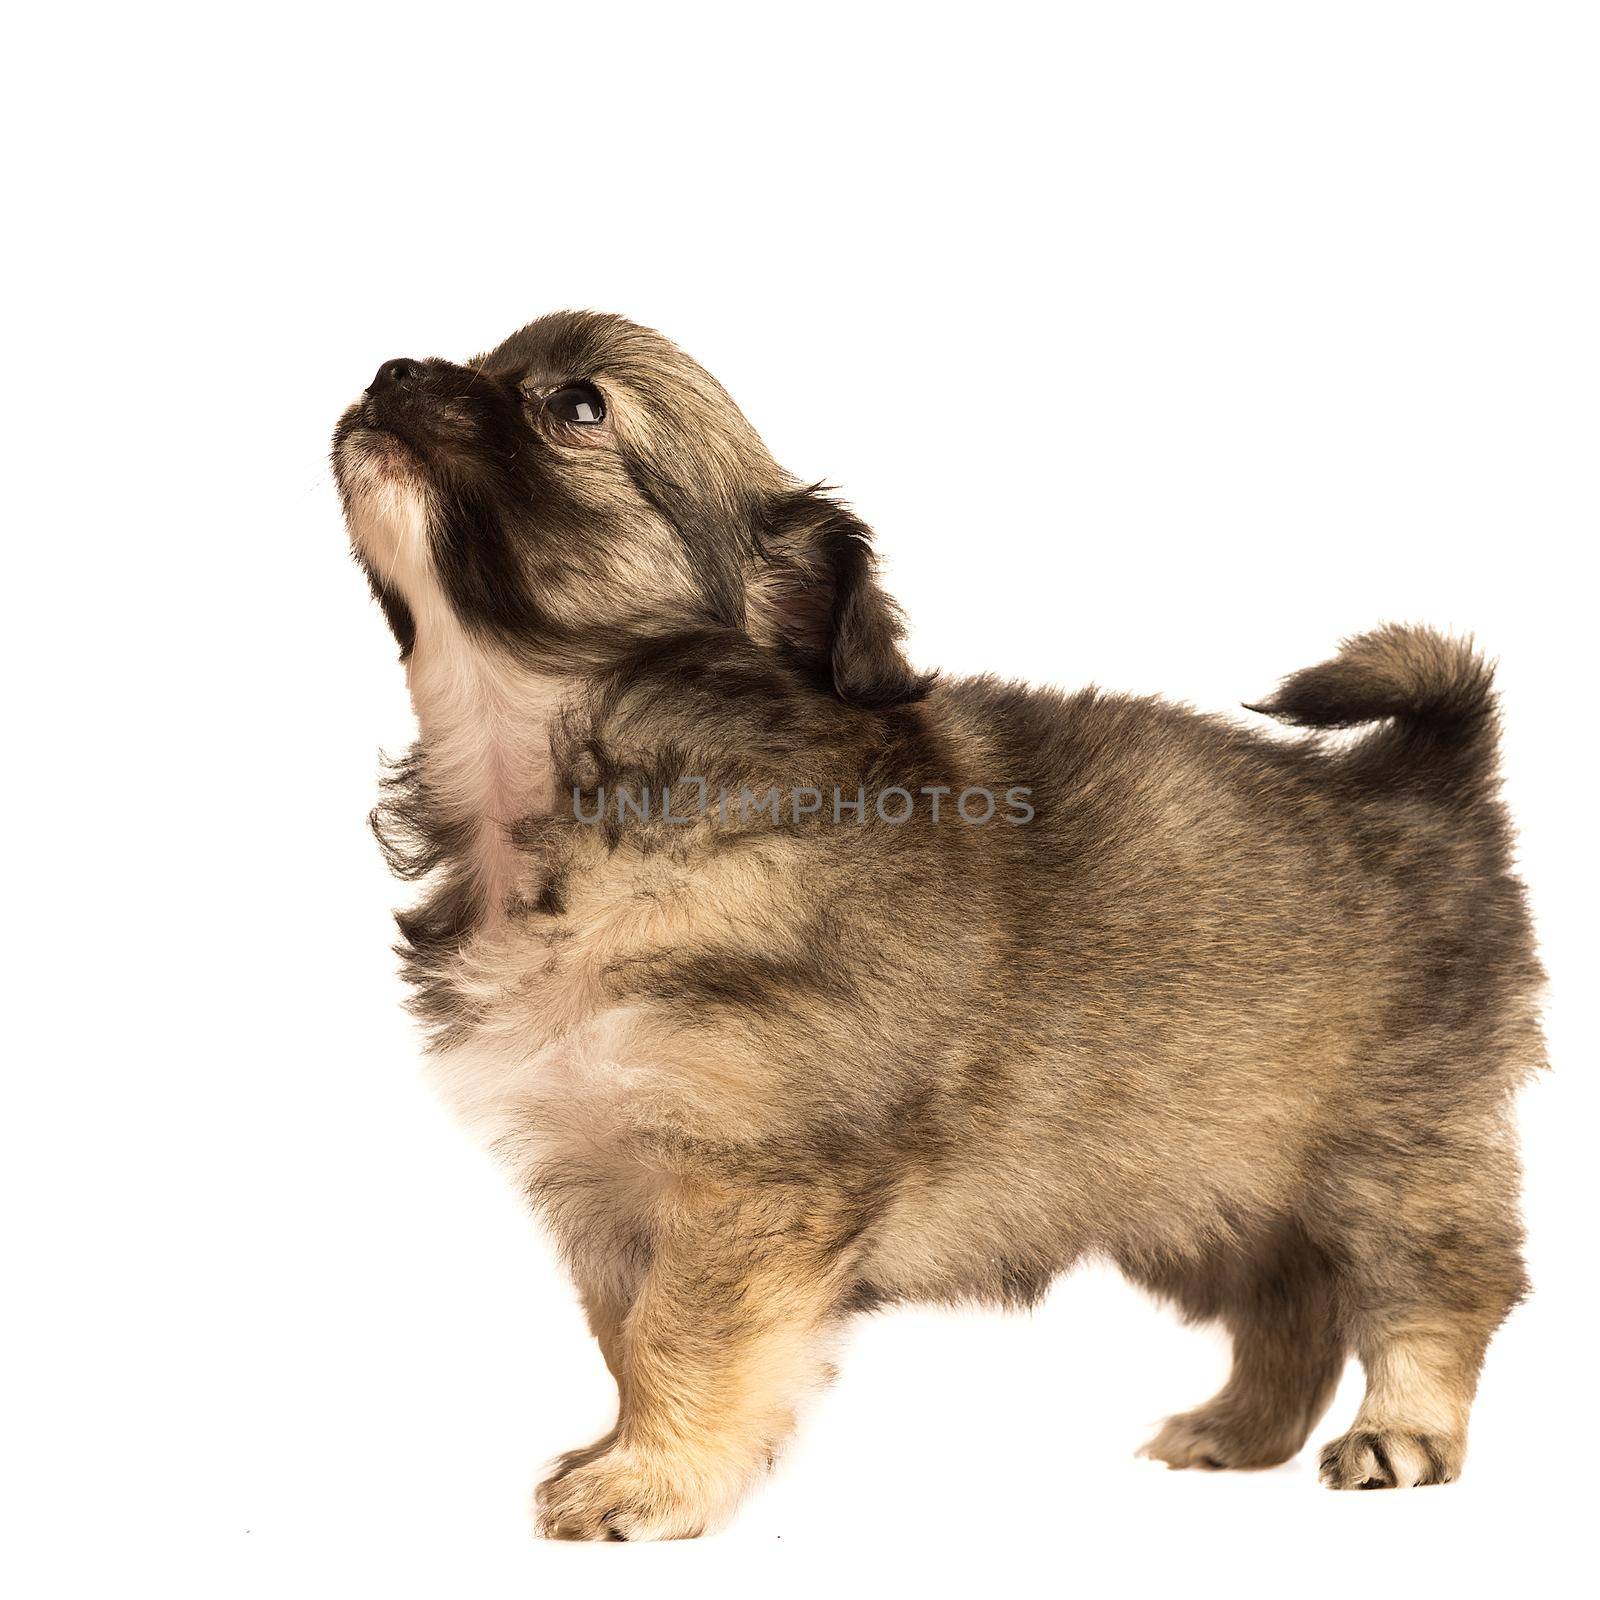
point(1389, 1458)
point(1207, 1439)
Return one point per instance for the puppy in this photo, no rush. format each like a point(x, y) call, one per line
point(790, 982)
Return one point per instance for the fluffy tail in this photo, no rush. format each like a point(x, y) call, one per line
point(1437, 691)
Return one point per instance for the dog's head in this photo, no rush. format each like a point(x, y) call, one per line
point(585, 489)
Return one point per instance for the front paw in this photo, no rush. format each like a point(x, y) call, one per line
point(619, 1494)
point(1390, 1458)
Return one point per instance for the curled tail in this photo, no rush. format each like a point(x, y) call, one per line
point(1437, 693)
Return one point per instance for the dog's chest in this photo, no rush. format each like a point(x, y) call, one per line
point(550, 1045)
point(569, 1044)
point(520, 998)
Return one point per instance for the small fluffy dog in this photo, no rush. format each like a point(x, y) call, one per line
point(792, 982)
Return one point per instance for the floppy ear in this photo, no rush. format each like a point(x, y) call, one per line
point(817, 595)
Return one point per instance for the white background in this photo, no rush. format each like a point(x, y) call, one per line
point(1162, 345)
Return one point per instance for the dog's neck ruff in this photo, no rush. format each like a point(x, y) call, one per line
point(486, 725)
point(485, 718)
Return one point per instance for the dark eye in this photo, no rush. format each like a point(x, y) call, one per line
point(577, 402)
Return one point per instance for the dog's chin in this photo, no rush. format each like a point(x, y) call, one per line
point(386, 493)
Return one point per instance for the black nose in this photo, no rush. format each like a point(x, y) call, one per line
point(392, 373)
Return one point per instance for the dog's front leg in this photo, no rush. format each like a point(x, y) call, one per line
point(723, 1337)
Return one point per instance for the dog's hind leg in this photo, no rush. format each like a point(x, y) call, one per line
point(1426, 1291)
point(1287, 1357)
